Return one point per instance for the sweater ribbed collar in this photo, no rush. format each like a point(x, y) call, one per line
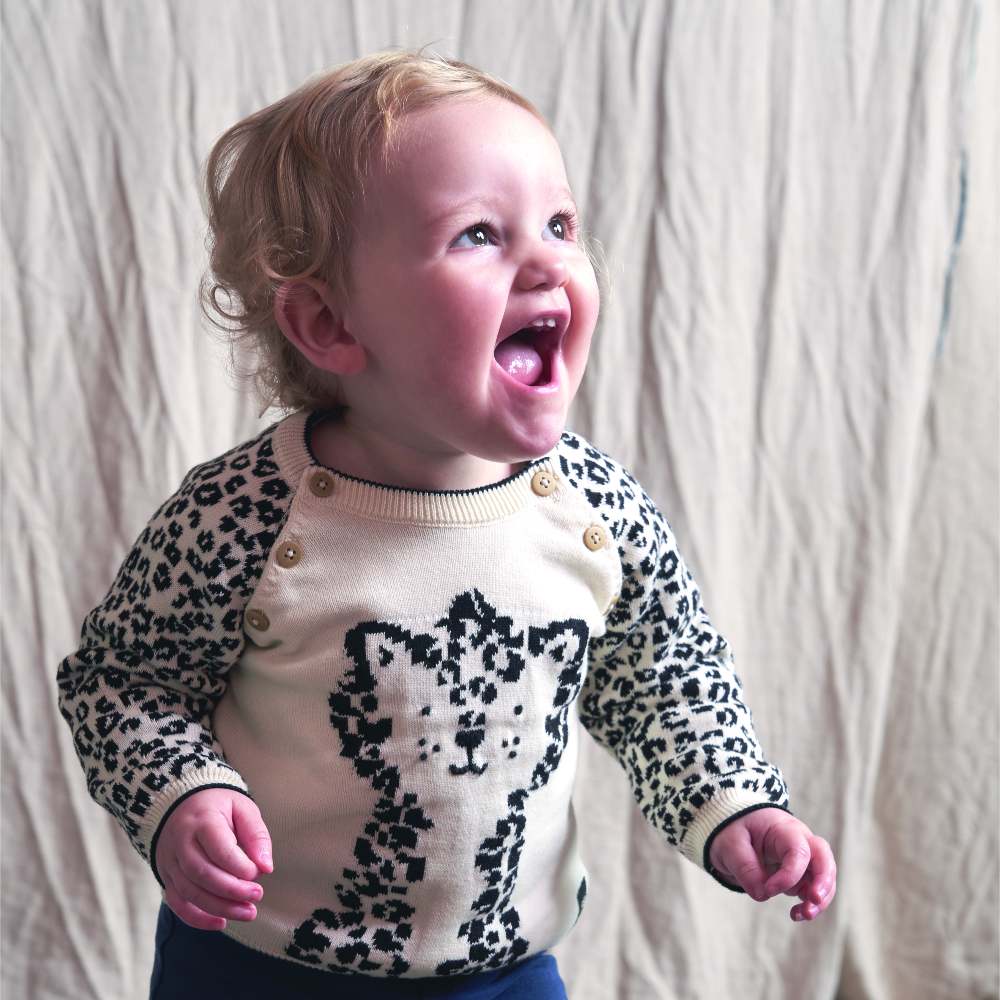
point(383, 502)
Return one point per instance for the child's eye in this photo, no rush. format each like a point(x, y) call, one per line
point(562, 226)
point(478, 235)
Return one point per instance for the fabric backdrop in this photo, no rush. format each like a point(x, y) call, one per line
point(798, 358)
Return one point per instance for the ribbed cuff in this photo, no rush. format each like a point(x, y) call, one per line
point(706, 853)
point(717, 813)
point(217, 776)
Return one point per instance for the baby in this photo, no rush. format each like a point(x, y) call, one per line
point(332, 695)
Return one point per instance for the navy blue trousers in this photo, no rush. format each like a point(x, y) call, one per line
point(206, 965)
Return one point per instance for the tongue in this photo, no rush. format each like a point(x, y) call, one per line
point(519, 359)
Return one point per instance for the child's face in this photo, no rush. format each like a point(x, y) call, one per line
point(461, 242)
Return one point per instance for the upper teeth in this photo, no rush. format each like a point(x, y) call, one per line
point(544, 322)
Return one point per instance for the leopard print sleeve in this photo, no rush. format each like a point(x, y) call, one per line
point(661, 693)
point(139, 692)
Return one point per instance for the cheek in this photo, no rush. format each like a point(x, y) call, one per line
point(471, 293)
point(584, 299)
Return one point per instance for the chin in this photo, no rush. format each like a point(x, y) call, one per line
point(531, 444)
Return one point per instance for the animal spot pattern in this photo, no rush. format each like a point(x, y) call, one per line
point(139, 692)
point(661, 692)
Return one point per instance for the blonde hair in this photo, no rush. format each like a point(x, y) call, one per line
point(282, 187)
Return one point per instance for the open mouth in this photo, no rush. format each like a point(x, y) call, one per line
point(526, 355)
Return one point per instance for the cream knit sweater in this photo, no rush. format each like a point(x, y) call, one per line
point(395, 677)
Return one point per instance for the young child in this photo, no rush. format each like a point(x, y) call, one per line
point(359, 643)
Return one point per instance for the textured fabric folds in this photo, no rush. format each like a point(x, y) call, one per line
point(797, 357)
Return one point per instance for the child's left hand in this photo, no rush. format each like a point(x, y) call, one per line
point(768, 851)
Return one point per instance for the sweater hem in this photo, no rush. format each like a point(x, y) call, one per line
point(426, 977)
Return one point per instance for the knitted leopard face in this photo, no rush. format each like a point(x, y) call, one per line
point(475, 668)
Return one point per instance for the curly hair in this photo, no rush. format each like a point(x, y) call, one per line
point(282, 188)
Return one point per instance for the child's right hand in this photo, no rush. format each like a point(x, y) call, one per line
point(210, 850)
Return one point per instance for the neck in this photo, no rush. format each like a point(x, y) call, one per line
point(368, 454)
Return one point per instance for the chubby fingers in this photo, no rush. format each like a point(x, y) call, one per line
point(209, 903)
point(192, 915)
point(787, 845)
point(251, 833)
point(737, 860)
point(202, 892)
point(819, 884)
point(196, 867)
point(766, 856)
point(218, 840)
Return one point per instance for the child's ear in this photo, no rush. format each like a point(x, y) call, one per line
point(307, 314)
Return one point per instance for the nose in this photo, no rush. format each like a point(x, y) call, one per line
point(543, 267)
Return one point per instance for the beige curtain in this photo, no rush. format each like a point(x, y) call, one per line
point(798, 358)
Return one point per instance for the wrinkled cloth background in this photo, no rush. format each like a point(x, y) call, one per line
point(798, 359)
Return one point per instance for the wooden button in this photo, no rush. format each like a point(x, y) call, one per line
point(289, 553)
point(543, 483)
point(595, 538)
point(321, 484)
point(256, 619)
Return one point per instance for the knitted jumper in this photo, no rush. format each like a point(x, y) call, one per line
point(395, 677)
